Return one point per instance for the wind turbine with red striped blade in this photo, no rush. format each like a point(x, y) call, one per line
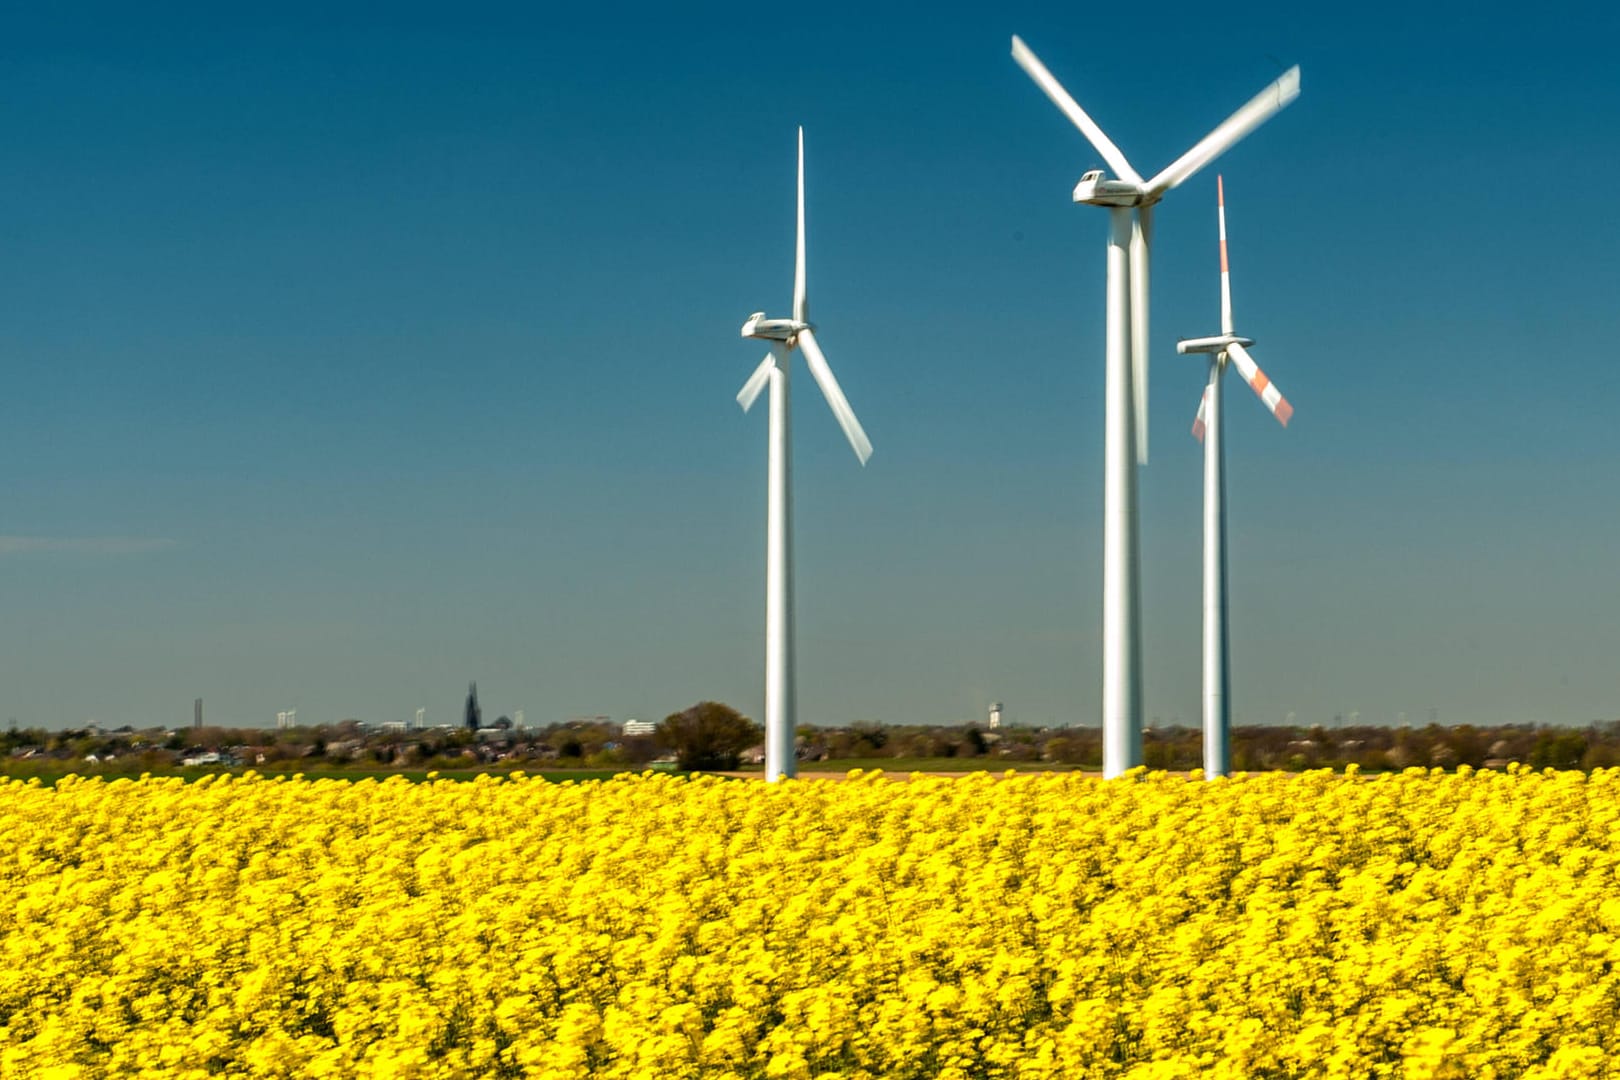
point(785, 336)
point(1130, 201)
point(1227, 347)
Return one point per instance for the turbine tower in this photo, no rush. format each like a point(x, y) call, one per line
point(785, 336)
point(1130, 201)
point(1227, 347)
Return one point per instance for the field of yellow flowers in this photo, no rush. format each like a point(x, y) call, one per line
point(1410, 925)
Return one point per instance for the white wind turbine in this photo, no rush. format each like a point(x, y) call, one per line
point(785, 335)
point(1208, 427)
point(1130, 201)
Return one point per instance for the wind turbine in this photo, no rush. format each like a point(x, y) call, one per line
point(784, 336)
point(1227, 347)
point(1130, 201)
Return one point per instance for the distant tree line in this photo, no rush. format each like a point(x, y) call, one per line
point(710, 735)
point(1254, 747)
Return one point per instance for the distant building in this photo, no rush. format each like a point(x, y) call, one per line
point(639, 727)
point(473, 717)
point(995, 715)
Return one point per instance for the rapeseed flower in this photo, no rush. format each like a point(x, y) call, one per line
point(1422, 924)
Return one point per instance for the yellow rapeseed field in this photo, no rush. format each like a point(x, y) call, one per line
point(1412, 925)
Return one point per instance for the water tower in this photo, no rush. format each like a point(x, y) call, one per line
point(995, 715)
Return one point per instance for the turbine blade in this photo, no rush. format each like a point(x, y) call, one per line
point(835, 396)
point(1259, 383)
point(1262, 107)
point(1225, 276)
point(1203, 410)
point(1077, 116)
point(756, 382)
point(1141, 241)
point(801, 296)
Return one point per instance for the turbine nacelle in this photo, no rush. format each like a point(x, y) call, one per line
point(1217, 344)
point(783, 330)
point(1095, 189)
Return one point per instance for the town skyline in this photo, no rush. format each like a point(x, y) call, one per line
point(346, 360)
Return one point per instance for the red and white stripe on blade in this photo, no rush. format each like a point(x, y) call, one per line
point(1198, 422)
point(1226, 276)
point(1259, 383)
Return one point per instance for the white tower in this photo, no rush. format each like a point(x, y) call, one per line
point(1224, 350)
point(1130, 200)
point(784, 336)
point(995, 715)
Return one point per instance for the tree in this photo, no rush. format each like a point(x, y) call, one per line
point(709, 735)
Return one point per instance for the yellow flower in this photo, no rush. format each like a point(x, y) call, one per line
point(1413, 924)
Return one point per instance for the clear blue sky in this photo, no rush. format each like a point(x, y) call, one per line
point(349, 358)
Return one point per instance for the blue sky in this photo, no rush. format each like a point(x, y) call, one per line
point(349, 358)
